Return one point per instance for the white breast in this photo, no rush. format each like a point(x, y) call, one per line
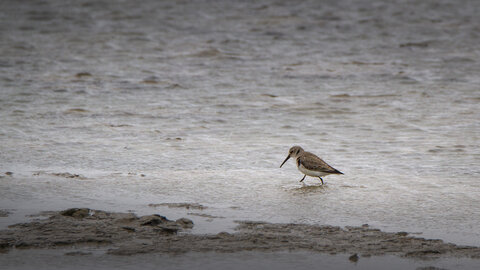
point(311, 173)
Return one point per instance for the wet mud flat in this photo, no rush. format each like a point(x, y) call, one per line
point(128, 234)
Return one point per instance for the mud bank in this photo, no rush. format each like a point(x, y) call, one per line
point(128, 234)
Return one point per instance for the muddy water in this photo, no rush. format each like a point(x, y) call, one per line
point(164, 102)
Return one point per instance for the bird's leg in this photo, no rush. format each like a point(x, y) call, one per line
point(321, 180)
point(303, 178)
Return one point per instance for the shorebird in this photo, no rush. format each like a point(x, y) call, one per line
point(309, 164)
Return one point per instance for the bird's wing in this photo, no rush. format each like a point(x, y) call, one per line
point(314, 163)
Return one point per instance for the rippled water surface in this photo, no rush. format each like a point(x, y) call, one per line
point(199, 102)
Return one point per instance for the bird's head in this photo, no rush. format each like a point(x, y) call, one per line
point(294, 152)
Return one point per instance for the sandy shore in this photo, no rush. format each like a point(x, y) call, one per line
point(128, 234)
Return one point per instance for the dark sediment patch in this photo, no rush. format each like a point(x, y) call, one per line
point(119, 125)
point(4, 213)
point(76, 110)
point(65, 174)
point(363, 96)
point(430, 268)
point(421, 44)
point(151, 80)
point(180, 205)
point(83, 74)
point(203, 215)
point(269, 95)
point(362, 63)
point(128, 234)
point(83, 226)
point(211, 52)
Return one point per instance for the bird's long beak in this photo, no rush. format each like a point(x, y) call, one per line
point(285, 160)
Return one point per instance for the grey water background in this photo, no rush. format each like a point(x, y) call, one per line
point(199, 101)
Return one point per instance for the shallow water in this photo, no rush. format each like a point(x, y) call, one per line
point(55, 259)
point(204, 99)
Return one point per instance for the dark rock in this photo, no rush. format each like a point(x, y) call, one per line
point(76, 212)
point(185, 223)
point(224, 235)
point(152, 220)
point(353, 258)
point(168, 228)
point(4, 245)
